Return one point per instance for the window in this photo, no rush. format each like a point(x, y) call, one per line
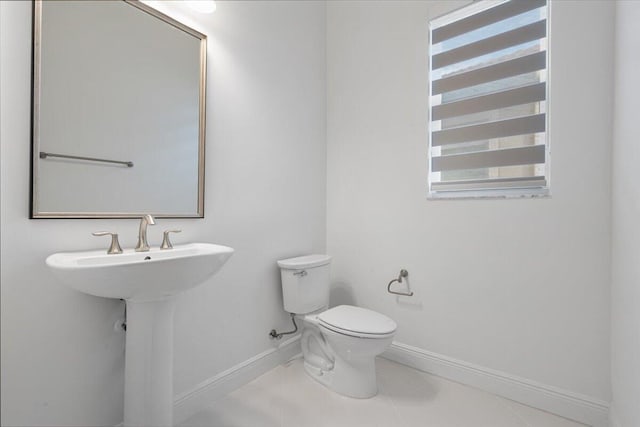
point(489, 101)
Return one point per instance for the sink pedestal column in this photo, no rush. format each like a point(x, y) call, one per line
point(148, 373)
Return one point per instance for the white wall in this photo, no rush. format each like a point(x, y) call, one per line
point(625, 292)
point(62, 361)
point(518, 286)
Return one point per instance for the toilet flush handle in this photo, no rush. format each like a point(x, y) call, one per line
point(301, 273)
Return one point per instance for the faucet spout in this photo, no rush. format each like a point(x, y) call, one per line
point(143, 245)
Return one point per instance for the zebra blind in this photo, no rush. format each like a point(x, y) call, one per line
point(488, 100)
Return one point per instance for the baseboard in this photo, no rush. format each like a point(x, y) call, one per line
point(584, 409)
point(188, 403)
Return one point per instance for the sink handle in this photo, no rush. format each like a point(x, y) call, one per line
point(166, 243)
point(115, 245)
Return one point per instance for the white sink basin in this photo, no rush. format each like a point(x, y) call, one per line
point(141, 276)
point(148, 282)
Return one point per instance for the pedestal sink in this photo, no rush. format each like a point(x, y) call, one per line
point(148, 282)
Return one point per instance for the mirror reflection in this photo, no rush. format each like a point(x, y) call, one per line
point(118, 113)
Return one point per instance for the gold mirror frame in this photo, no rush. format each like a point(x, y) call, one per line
point(35, 213)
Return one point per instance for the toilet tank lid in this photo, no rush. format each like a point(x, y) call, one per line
point(302, 262)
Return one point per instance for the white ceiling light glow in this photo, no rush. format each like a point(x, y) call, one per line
point(202, 6)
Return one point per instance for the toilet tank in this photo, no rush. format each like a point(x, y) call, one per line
point(305, 283)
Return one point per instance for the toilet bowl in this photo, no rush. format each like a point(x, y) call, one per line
point(339, 345)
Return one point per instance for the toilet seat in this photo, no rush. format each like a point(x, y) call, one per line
point(357, 322)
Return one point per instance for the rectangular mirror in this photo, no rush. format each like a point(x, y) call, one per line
point(118, 112)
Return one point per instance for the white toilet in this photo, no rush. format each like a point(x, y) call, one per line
point(339, 344)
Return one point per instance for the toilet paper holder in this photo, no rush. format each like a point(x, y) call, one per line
point(403, 274)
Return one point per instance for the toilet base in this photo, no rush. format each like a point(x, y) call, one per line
point(353, 378)
point(343, 363)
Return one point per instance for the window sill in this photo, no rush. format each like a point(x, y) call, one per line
point(516, 193)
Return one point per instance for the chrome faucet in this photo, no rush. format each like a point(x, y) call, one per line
point(143, 245)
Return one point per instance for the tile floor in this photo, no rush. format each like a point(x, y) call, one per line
point(287, 397)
